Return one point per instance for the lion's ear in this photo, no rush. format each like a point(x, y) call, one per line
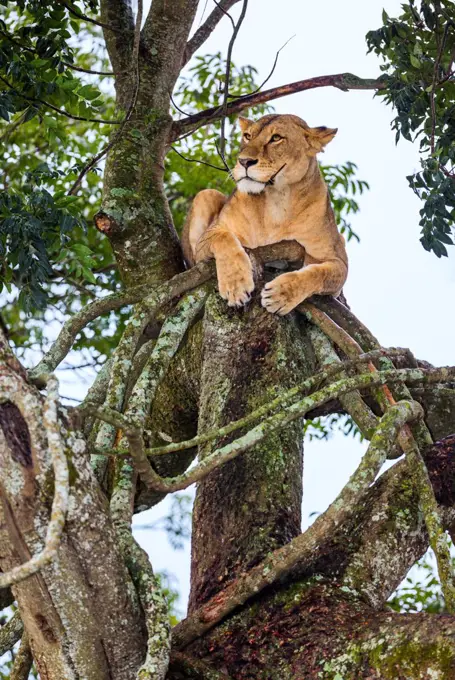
point(318, 137)
point(244, 123)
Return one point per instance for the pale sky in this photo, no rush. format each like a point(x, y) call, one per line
point(397, 289)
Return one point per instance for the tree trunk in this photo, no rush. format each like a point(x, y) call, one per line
point(251, 505)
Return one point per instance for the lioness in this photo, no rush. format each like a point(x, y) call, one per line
point(280, 195)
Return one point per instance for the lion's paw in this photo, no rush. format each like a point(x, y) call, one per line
point(281, 295)
point(235, 281)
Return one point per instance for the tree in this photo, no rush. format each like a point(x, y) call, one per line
point(231, 388)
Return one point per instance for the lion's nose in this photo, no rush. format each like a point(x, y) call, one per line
point(247, 162)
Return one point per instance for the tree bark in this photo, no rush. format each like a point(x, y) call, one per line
point(251, 505)
point(81, 613)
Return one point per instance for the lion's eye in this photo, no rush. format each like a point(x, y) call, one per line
point(247, 136)
point(276, 138)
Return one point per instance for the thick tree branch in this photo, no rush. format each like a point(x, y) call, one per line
point(193, 668)
point(87, 585)
point(10, 633)
point(23, 661)
point(61, 481)
point(319, 630)
point(152, 600)
point(341, 81)
point(118, 29)
point(204, 31)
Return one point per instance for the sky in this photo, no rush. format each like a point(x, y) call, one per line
point(394, 286)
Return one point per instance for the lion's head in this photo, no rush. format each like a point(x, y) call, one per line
point(277, 150)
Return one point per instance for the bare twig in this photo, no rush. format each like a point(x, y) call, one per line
point(61, 494)
point(89, 20)
point(197, 160)
point(272, 71)
point(88, 70)
point(227, 78)
point(176, 106)
point(225, 12)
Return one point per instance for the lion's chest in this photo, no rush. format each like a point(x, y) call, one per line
point(277, 216)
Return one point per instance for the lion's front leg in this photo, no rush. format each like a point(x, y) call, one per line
point(233, 266)
point(284, 293)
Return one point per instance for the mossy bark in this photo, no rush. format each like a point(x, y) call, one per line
point(138, 220)
point(314, 630)
point(251, 505)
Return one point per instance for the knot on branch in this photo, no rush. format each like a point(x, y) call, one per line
point(105, 223)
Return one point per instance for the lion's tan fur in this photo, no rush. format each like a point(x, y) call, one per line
point(295, 206)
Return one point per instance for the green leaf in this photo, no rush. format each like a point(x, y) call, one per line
point(88, 92)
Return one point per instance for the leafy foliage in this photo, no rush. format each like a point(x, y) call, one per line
point(323, 428)
point(418, 49)
point(167, 583)
point(421, 590)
